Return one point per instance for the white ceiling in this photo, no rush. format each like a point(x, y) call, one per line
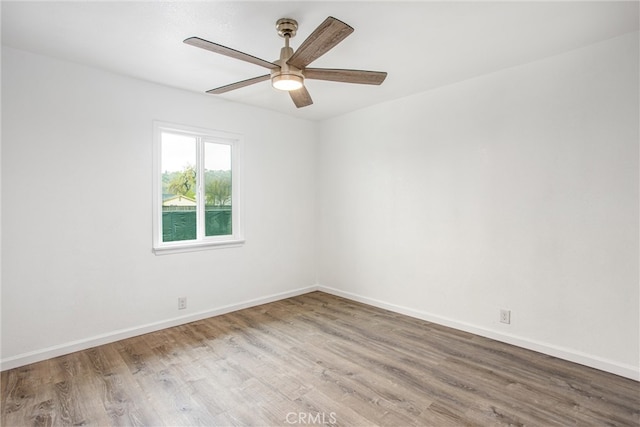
point(422, 45)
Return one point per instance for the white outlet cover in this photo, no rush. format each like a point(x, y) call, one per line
point(505, 316)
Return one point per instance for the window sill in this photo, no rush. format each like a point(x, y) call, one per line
point(196, 246)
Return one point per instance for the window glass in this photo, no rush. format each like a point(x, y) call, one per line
point(217, 189)
point(179, 198)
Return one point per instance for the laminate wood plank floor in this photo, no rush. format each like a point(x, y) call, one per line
point(314, 359)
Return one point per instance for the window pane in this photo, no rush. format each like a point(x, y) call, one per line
point(178, 187)
point(217, 189)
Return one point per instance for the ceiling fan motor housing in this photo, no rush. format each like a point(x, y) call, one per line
point(287, 77)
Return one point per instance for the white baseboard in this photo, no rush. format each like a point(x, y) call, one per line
point(83, 344)
point(628, 371)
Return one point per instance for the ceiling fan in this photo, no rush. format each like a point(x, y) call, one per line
point(290, 70)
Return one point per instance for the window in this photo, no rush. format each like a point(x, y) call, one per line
point(196, 201)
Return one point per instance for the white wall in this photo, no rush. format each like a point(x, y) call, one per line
point(76, 170)
point(515, 190)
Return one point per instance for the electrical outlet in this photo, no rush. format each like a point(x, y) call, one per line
point(505, 316)
point(182, 303)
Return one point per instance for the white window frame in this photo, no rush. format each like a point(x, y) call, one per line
point(236, 142)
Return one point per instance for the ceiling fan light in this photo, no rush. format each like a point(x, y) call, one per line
point(287, 82)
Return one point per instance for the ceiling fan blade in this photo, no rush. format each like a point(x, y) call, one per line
point(227, 51)
point(301, 97)
point(238, 85)
point(328, 34)
point(346, 76)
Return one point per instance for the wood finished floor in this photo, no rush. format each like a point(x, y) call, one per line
point(314, 359)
